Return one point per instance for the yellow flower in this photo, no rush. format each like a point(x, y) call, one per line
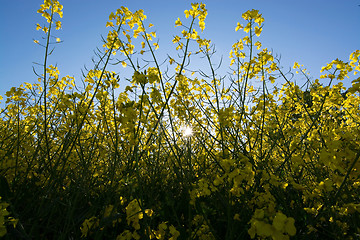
point(248, 27)
point(187, 13)
point(238, 27)
point(202, 25)
point(149, 212)
point(258, 31)
point(178, 22)
point(109, 24)
point(296, 65)
point(176, 39)
point(111, 16)
point(58, 25)
point(272, 79)
point(258, 45)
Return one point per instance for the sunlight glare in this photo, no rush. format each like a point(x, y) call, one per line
point(186, 131)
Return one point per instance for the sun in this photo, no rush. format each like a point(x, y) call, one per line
point(186, 131)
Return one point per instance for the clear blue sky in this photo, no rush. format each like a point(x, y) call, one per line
point(311, 32)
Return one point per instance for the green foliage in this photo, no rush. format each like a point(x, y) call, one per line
point(178, 153)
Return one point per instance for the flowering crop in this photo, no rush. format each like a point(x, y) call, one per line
point(179, 153)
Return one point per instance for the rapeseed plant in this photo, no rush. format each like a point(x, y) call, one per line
point(180, 155)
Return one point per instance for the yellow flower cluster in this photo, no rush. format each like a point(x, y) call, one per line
point(199, 12)
point(123, 21)
point(53, 6)
point(47, 10)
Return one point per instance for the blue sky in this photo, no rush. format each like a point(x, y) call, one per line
point(311, 32)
